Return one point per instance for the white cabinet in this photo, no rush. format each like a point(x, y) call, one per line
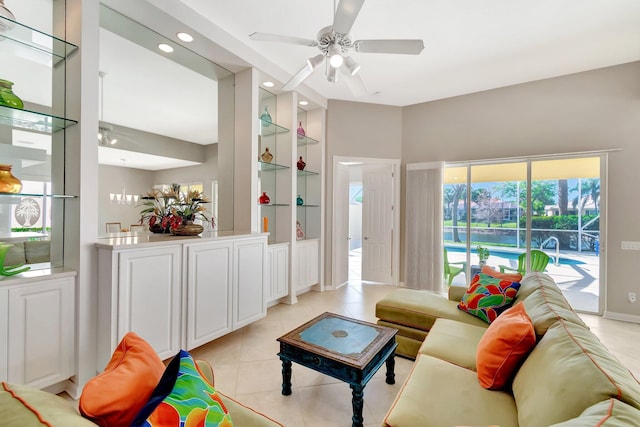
point(149, 297)
point(178, 293)
point(308, 252)
point(278, 271)
point(250, 282)
point(41, 332)
point(209, 299)
point(4, 331)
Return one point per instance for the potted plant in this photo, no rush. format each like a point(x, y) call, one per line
point(173, 211)
point(483, 255)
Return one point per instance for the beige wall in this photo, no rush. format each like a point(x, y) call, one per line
point(357, 130)
point(595, 110)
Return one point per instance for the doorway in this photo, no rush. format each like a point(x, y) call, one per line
point(365, 222)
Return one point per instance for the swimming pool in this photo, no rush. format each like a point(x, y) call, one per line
point(514, 255)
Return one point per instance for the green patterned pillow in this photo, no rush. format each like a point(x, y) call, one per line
point(183, 398)
point(488, 296)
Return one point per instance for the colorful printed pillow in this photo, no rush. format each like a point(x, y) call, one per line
point(183, 398)
point(504, 346)
point(115, 397)
point(488, 296)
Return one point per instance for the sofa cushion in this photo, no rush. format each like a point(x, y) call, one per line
point(533, 281)
point(609, 413)
point(419, 309)
point(439, 393)
point(115, 396)
point(15, 255)
point(503, 347)
point(511, 277)
point(570, 366)
point(245, 416)
point(454, 342)
point(488, 296)
point(184, 396)
point(27, 406)
point(545, 306)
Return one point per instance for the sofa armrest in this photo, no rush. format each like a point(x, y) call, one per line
point(456, 292)
point(207, 370)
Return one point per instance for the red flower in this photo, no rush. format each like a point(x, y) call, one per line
point(152, 221)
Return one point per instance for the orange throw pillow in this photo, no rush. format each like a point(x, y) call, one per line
point(115, 397)
point(512, 277)
point(507, 342)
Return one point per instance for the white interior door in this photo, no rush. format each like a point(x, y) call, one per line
point(377, 223)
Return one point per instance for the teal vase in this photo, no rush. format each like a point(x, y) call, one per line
point(299, 201)
point(265, 117)
point(7, 97)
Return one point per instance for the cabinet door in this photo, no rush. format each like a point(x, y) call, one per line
point(280, 268)
point(42, 332)
point(4, 329)
point(249, 290)
point(149, 297)
point(208, 292)
point(308, 252)
point(312, 254)
point(277, 272)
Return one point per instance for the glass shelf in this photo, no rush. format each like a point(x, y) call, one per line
point(20, 195)
point(308, 206)
point(268, 128)
point(34, 39)
point(264, 166)
point(32, 120)
point(306, 173)
point(273, 204)
point(307, 141)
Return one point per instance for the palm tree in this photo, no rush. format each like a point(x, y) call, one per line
point(28, 209)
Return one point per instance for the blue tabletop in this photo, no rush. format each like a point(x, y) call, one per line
point(340, 335)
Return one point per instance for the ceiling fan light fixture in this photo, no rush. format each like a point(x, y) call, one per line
point(315, 61)
point(332, 74)
point(351, 65)
point(335, 56)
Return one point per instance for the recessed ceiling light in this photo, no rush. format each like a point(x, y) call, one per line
point(185, 37)
point(268, 84)
point(303, 103)
point(165, 48)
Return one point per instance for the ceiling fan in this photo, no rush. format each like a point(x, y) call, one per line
point(335, 43)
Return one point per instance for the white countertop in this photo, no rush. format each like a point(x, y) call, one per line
point(130, 240)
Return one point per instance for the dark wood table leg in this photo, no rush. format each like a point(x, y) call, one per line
point(286, 377)
point(391, 364)
point(357, 402)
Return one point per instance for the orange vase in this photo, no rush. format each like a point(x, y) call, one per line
point(8, 182)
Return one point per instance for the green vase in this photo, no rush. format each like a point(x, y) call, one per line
point(7, 97)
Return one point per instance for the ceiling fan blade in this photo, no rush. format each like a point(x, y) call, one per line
point(355, 83)
point(345, 15)
point(266, 37)
point(409, 47)
point(298, 78)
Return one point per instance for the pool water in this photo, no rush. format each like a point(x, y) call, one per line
point(514, 255)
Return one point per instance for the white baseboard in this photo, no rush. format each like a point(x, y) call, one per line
point(634, 318)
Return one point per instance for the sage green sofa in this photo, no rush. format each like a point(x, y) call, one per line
point(24, 406)
point(568, 379)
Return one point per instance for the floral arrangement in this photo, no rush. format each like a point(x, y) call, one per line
point(172, 208)
point(483, 254)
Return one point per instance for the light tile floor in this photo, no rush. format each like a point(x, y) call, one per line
point(248, 369)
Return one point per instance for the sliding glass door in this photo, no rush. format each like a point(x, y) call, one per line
point(506, 210)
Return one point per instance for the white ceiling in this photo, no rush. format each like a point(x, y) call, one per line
point(471, 45)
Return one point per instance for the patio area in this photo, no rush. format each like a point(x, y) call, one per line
point(577, 274)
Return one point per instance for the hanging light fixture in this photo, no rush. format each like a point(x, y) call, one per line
point(123, 198)
point(335, 55)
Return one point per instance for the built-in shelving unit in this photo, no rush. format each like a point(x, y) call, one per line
point(274, 175)
point(37, 161)
point(308, 183)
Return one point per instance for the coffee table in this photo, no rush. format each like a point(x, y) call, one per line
point(347, 349)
